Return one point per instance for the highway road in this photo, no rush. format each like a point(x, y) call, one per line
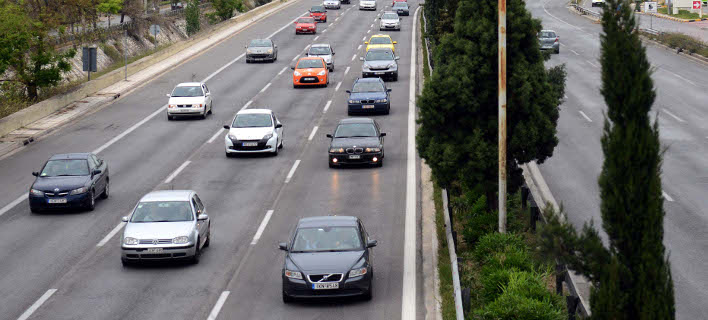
point(682, 95)
point(67, 266)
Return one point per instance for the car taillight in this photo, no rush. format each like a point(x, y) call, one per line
point(556, 39)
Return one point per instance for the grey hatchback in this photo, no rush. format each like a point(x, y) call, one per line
point(549, 40)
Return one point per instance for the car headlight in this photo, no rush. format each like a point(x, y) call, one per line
point(232, 137)
point(129, 240)
point(268, 136)
point(36, 192)
point(381, 100)
point(358, 272)
point(180, 240)
point(269, 51)
point(293, 274)
point(249, 51)
point(391, 65)
point(297, 74)
point(322, 73)
point(79, 190)
point(336, 150)
point(373, 149)
point(354, 101)
point(199, 105)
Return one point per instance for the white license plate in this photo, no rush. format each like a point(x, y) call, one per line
point(379, 73)
point(310, 79)
point(62, 200)
point(325, 286)
point(154, 250)
point(250, 144)
point(355, 156)
point(367, 106)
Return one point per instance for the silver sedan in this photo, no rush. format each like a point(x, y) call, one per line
point(167, 224)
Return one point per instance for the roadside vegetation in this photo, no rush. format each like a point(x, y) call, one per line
point(683, 14)
point(687, 43)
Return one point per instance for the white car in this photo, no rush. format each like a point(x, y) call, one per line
point(332, 4)
point(189, 99)
point(367, 5)
point(254, 131)
point(598, 3)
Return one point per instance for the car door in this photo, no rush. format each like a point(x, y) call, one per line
point(278, 131)
point(202, 226)
point(95, 178)
point(207, 97)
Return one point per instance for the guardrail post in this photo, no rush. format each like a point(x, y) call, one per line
point(451, 216)
point(534, 214)
point(524, 197)
point(572, 304)
point(560, 277)
point(466, 298)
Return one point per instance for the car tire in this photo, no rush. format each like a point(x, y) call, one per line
point(204, 115)
point(249, 61)
point(275, 152)
point(208, 240)
point(197, 253)
point(170, 118)
point(379, 164)
point(211, 108)
point(287, 298)
point(230, 155)
point(388, 109)
point(369, 293)
point(558, 50)
point(125, 262)
point(106, 191)
point(92, 201)
point(281, 144)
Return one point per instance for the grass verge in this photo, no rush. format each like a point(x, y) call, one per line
point(447, 303)
point(683, 14)
point(423, 35)
point(675, 40)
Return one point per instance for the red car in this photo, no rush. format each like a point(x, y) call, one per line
point(319, 13)
point(394, 1)
point(305, 25)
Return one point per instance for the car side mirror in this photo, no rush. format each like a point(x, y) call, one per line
point(283, 246)
point(361, 58)
point(275, 46)
point(279, 125)
point(395, 42)
point(293, 68)
point(371, 243)
point(208, 94)
point(168, 95)
point(332, 52)
point(388, 90)
point(227, 127)
point(202, 217)
point(329, 136)
point(383, 134)
point(366, 42)
point(124, 219)
point(35, 173)
point(96, 171)
point(397, 58)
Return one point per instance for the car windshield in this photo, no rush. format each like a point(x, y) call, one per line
point(162, 211)
point(310, 63)
point(380, 40)
point(252, 120)
point(260, 43)
point(318, 50)
point(400, 4)
point(546, 34)
point(305, 20)
point(317, 9)
point(58, 168)
point(374, 55)
point(327, 239)
point(389, 16)
point(194, 91)
point(353, 130)
point(368, 87)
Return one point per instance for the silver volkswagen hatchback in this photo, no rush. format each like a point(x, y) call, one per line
point(167, 224)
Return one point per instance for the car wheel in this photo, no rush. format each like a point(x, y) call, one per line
point(104, 195)
point(249, 61)
point(197, 253)
point(125, 262)
point(370, 293)
point(558, 50)
point(211, 108)
point(92, 202)
point(169, 117)
point(281, 144)
point(208, 240)
point(275, 152)
point(388, 109)
point(287, 298)
point(204, 115)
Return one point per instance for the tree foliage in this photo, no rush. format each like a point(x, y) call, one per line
point(224, 9)
point(191, 14)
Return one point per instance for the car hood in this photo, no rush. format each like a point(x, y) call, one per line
point(186, 100)
point(259, 49)
point(387, 46)
point(327, 57)
point(158, 230)
point(331, 1)
point(309, 72)
point(316, 262)
point(378, 63)
point(367, 142)
point(250, 133)
point(367, 1)
point(389, 20)
point(63, 183)
point(367, 95)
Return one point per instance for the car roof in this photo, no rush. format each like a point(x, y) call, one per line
point(255, 111)
point(356, 120)
point(388, 49)
point(189, 84)
point(328, 221)
point(381, 36)
point(168, 195)
point(68, 156)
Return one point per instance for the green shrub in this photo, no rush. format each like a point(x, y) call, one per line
point(111, 52)
point(686, 42)
point(513, 306)
point(493, 243)
point(477, 220)
point(493, 282)
point(510, 258)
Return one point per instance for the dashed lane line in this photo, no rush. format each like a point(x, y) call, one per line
point(292, 171)
point(28, 313)
point(585, 116)
point(326, 107)
point(176, 172)
point(264, 223)
point(219, 304)
point(312, 134)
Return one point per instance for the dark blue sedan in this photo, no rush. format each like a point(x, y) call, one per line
point(369, 95)
point(72, 180)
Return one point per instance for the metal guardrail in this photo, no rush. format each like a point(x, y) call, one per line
point(586, 11)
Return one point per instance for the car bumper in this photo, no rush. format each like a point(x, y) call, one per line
point(319, 18)
point(308, 30)
point(168, 253)
point(358, 286)
point(390, 27)
point(403, 13)
point(72, 201)
point(236, 147)
point(364, 158)
point(185, 111)
point(367, 7)
point(554, 46)
point(305, 80)
point(368, 108)
point(378, 73)
point(332, 6)
point(260, 57)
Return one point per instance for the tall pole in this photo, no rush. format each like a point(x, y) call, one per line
point(502, 115)
point(125, 51)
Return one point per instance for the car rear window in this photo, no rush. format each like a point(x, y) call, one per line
point(327, 239)
point(68, 167)
point(547, 34)
point(349, 130)
point(252, 120)
point(195, 91)
point(310, 63)
point(400, 4)
point(380, 40)
point(162, 211)
point(318, 50)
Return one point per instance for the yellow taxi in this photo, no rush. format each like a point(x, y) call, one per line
point(381, 41)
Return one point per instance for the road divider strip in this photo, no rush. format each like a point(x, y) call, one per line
point(219, 304)
point(176, 172)
point(110, 234)
point(261, 227)
point(28, 313)
point(292, 171)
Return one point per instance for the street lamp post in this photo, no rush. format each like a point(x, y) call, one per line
point(501, 47)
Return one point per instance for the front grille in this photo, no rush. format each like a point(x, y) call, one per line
point(152, 241)
point(58, 194)
point(309, 80)
point(326, 277)
point(367, 101)
point(184, 106)
point(260, 55)
point(355, 150)
point(378, 68)
point(155, 255)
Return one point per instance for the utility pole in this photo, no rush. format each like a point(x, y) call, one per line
point(501, 47)
point(125, 50)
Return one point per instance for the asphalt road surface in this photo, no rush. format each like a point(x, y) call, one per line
point(682, 95)
point(67, 266)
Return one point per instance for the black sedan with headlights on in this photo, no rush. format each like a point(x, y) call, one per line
point(328, 256)
point(72, 180)
point(356, 141)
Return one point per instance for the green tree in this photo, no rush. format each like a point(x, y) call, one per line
point(458, 107)
point(191, 14)
point(224, 9)
point(631, 277)
point(110, 7)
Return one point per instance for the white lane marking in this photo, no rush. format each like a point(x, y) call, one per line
point(28, 313)
point(129, 130)
point(292, 171)
point(573, 51)
point(353, 57)
point(264, 223)
point(585, 116)
point(13, 203)
point(561, 20)
point(408, 299)
point(285, 26)
point(363, 39)
point(565, 96)
point(176, 172)
point(110, 234)
point(359, 47)
point(346, 71)
point(592, 64)
point(325, 30)
point(667, 196)
point(266, 87)
point(283, 70)
point(223, 67)
point(368, 31)
point(312, 134)
point(217, 307)
point(562, 45)
point(315, 39)
point(215, 135)
point(327, 106)
point(338, 85)
point(246, 105)
point(673, 115)
point(680, 77)
point(372, 25)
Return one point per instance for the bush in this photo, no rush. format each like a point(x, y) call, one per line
point(686, 42)
point(493, 243)
point(191, 14)
point(111, 52)
point(510, 258)
point(513, 306)
point(477, 220)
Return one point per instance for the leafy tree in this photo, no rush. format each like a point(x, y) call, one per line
point(110, 7)
point(224, 9)
point(191, 13)
point(458, 107)
point(631, 277)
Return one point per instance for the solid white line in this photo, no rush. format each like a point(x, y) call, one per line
point(315, 39)
point(346, 71)
point(667, 196)
point(37, 304)
point(292, 171)
point(285, 26)
point(673, 115)
point(562, 44)
point(408, 299)
point(359, 47)
point(353, 57)
point(176, 172)
point(259, 232)
point(217, 307)
point(129, 130)
point(110, 234)
point(573, 51)
point(327, 106)
point(283, 70)
point(215, 135)
point(13, 203)
point(561, 20)
point(223, 67)
point(312, 134)
point(592, 63)
point(585, 116)
point(338, 85)
point(266, 87)
point(246, 105)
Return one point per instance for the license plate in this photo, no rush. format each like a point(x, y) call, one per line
point(310, 78)
point(154, 250)
point(329, 285)
point(57, 200)
point(355, 156)
point(379, 73)
point(250, 144)
point(367, 106)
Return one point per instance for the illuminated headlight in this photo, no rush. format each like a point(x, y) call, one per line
point(297, 74)
point(373, 149)
point(249, 51)
point(37, 193)
point(268, 136)
point(322, 73)
point(180, 240)
point(336, 150)
point(354, 101)
point(232, 137)
point(357, 272)
point(79, 190)
point(129, 240)
point(293, 274)
point(381, 100)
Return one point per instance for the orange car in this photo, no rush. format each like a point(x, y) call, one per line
point(310, 71)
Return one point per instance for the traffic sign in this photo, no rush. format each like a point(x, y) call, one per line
point(696, 5)
point(154, 30)
point(650, 7)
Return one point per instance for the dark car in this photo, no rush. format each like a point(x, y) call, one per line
point(356, 141)
point(261, 50)
point(328, 256)
point(369, 95)
point(380, 62)
point(401, 8)
point(72, 180)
